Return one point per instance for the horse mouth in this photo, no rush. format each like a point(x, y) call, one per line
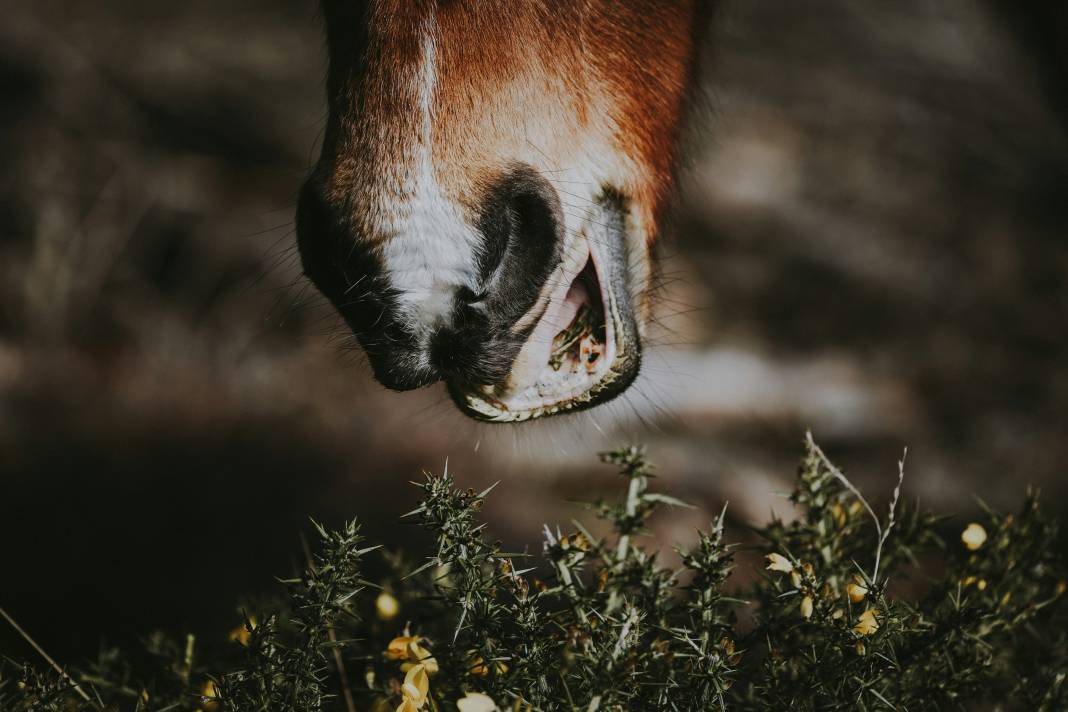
point(582, 345)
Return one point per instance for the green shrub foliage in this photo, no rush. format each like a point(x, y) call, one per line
point(842, 615)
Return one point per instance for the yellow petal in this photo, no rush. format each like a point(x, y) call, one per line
point(857, 591)
point(476, 702)
point(973, 536)
point(578, 541)
point(839, 515)
point(778, 562)
point(408, 706)
point(416, 685)
point(806, 607)
point(208, 691)
point(867, 624)
point(242, 633)
point(386, 606)
point(416, 653)
point(478, 667)
point(398, 648)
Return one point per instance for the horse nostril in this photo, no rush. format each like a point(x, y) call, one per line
point(520, 216)
point(522, 228)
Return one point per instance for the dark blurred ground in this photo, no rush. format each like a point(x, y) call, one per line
point(872, 244)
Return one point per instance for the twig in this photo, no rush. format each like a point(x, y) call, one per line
point(632, 509)
point(890, 518)
point(882, 534)
point(339, 662)
point(632, 619)
point(48, 658)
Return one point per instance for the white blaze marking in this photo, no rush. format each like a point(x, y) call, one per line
point(431, 250)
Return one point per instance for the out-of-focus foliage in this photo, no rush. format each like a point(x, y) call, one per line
point(600, 624)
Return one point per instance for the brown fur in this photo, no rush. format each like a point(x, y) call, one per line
point(547, 80)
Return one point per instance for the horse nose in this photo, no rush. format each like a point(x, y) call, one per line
point(522, 231)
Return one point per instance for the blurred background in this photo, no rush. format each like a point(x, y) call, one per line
point(871, 243)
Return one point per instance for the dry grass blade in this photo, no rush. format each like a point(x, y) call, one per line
point(47, 658)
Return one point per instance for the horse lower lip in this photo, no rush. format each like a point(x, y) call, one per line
point(614, 369)
point(550, 368)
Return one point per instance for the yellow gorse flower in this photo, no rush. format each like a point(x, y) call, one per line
point(778, 562)
point(478, 665)
point(973, 536)
point(418, 655)
point(241, 633)
point(867, 624)
point(398, 647)
point(476, 702)
point(806, 607)
point(839, 514)
point(575, 541)
point(409, 649)
point(856, 590)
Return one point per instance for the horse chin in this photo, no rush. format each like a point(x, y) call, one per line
point(582, 346)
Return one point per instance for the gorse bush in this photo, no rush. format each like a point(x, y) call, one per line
point(602, 624)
